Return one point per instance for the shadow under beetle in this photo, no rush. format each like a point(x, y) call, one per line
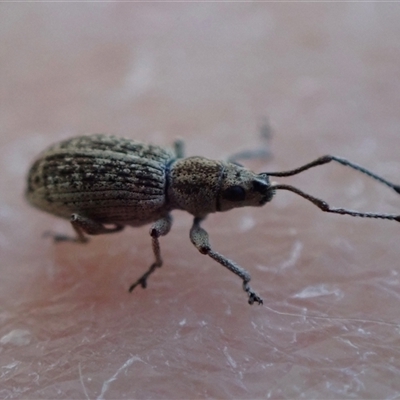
point(98, 180)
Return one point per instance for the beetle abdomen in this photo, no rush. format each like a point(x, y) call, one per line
point(102, 177)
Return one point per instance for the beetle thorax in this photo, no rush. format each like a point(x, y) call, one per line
point(202, 186)
point(193, 183)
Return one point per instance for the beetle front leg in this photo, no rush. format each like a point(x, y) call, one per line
point(199, 237)
point(159, 228)
point(81, 226)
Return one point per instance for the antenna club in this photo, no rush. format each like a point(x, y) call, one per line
point(397, 188)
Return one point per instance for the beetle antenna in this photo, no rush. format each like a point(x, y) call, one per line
point(324, 206)
point(343, 161)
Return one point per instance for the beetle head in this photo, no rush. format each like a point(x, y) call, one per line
point(240, 187)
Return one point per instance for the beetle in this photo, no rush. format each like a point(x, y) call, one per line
point(98, 180)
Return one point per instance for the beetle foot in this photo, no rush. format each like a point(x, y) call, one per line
point(142, 282)
point(253, 296)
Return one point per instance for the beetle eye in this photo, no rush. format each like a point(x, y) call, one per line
point(234, 193)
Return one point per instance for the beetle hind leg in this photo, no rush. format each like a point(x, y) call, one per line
point(159, 228)
point(81, 226)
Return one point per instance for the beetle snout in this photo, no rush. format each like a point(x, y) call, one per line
point(262, 186)
point(268, 196)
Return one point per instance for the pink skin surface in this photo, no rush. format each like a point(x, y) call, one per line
point(327, 78)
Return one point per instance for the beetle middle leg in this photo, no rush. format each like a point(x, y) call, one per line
point(199, 237)
point(81, 226)
point(179, 148)
point(263, 152)
point(159, 228)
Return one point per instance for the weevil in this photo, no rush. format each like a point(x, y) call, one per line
point(98, 180)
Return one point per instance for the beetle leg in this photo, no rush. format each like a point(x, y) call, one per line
point(262, 152)
point(159, 228)
point(199, 237)
point(179, 148)
point(81, 226)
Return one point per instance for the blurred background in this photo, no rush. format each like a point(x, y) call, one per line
point(326, 77)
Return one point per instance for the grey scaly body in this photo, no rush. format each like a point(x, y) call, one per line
point(98, 179)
